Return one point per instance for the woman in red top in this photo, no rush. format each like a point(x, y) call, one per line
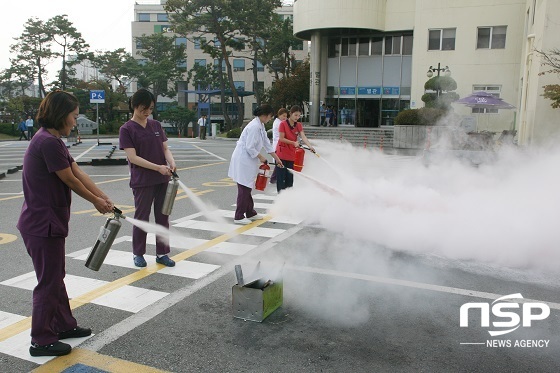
point(289, 131)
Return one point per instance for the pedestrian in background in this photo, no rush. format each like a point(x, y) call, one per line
point(289, 130)
point(150, 162)
point(245, 160)
point(29, 125)
point(202, 127)
point(22, 127)
point(280, 116)
point(49, 174)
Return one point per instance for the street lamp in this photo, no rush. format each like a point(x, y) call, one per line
point(445, 70)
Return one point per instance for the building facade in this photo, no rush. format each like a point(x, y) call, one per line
point(370, 58)
point(152, 18)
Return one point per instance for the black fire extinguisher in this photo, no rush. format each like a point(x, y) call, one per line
point(105, 239)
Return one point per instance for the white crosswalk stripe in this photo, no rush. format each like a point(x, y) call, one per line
point(130, 298)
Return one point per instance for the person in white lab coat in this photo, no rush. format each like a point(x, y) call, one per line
point(245, 160)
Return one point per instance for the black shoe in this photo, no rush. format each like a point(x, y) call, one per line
point(54, 349)
point(77, 332)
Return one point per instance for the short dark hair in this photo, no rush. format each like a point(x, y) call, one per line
point(264, 109)
point(295, 108)
point(141, 97)
point(54, 109)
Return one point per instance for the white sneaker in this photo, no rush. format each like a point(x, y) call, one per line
point(256, 217)
point(243, 221)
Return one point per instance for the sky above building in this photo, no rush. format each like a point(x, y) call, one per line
point(104, 24)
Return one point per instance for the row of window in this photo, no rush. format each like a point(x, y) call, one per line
point(145, 17)
point(492, 37)
point(374, 46)
point(197, 42)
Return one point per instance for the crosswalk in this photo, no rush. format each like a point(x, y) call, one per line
point(131, 297)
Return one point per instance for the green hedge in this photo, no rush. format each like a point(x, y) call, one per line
point(234, 133)
point(6, 128)
point(419, 117)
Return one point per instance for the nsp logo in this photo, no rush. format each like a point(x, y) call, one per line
point(530, 312)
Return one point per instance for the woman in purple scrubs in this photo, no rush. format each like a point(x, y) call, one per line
point(49, 173)
point(151, 163)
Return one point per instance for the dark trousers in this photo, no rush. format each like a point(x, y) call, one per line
point(51, 309)
point(203, 132)
point(22, 135)
point(143, 199)
point(29, 133)
point(245, 205)
point(284, 178)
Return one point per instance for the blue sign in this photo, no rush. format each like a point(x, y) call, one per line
point(347, 90)
point(96, 97)
point(393, 91)
point(369, 90)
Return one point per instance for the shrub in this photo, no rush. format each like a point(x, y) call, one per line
point(234, 133)
point(6, 128)
point(419, 117)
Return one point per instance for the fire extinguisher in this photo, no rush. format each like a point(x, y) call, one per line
point(298, 160)
point(104, 241)
point(170, 194)
point(262, 177)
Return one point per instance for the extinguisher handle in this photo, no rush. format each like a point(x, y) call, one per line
point(174, 174)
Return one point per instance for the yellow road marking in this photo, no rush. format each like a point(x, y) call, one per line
point(7, 198)
point(7, 238)
point(95, 360)
point(86, 298)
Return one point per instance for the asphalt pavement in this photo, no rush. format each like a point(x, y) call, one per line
point(348, 305)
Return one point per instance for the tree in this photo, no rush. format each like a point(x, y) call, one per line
point(291, 90)
point(215, 18)
point(65, 35)
point(277, 54)
point(161, 65)
point(178, 116)
point(115, 65)
point(33, 50)
point(257, 21)
point(551, 59)
point(440, 95)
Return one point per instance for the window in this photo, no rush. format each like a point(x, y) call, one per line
point(377, 46)
point(142, 62)
point(182, 64)
point(143, 17)
point(200, 62)
point(491, 37)
point(259, 87)
point(217, 64)
point(180, 41)
point(238, 65)
point(441, 39)
point(162, 17)
point(139, 44)
point(363, 49)
point(494, 90)
point(239, 85)
point(298, 47)
point(393, 45)
point(407, 45)
point(334, 47)
point(217, 43)
point(348, 47)
point(260, 66)
point(198, 42)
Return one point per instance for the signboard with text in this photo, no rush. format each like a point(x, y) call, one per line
point(96, 97)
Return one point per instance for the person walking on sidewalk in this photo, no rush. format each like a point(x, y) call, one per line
point(150, 162)
point(290, 130)
point(22, 127)
point(202, 127)
point(29, 125)
point(244, 164)
point(49, 176)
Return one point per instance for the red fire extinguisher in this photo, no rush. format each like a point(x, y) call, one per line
point(262, 177)
point(298, 160)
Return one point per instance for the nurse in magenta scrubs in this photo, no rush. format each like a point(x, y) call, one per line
point(49, 173)
point(151, 163)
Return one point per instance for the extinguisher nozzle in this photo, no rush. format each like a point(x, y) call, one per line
point(174, 174)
